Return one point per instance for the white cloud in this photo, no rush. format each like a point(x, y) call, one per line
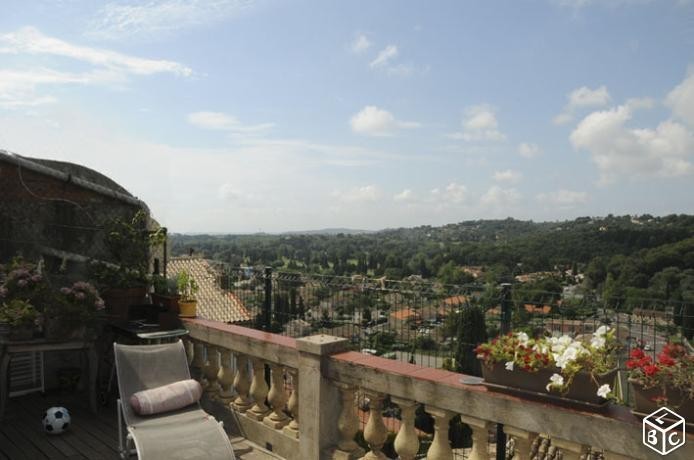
point(18, 88)
point(500, 197)
point(405, 195)
point(577, 4)
point(618, 150)
point(230, 193)
point(117, 21)
point(453, 193)
point(365, 194)
point(528, 150)
point(581, 98)
point(479, 124)
point(373, 121)
point(384, 57)
point(29, 40)
point(223, 122)
point(508, 176)
point(360, 44)
point(563, 198)
point(681, 100)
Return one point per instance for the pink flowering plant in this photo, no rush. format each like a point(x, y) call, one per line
point(18, 313)
point(564, 355)
point(79, 303)
point(24, 281)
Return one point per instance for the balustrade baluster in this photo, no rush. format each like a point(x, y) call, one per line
point(225, 376)
point(292, 429)
point(277, 398)
point(198, 361)
point(375, 432)
point(406, 442)
point(347, 425)
point(613, 456)
point(524, 440)
point(242, 384)
point(259, 390)
point(570, 450)
point(211, 369)
point(188, 347)
point(440, 448)
point(480, 437)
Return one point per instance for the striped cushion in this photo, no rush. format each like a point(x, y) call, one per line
point(166, 398)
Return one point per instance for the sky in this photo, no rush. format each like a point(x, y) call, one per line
point(273, 115)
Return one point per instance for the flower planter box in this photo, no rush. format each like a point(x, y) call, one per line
point(119, 300)
point(21, 333)
point(645, 400)
point(583, 390)
point(57, 328)
point(169, 302)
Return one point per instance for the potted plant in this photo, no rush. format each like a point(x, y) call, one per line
point(573, 370)
point(20, 316)
point(187, 288)
point(75, 310)
point(24, 281)
point(123, 280)
point(165, 293)
point(665, 381)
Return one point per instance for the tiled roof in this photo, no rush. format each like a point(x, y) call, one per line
point(456, 300)
point(214, 303)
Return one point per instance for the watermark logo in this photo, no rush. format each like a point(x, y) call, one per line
point(663, 431)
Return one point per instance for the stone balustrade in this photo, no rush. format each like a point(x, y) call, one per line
point(318, 419)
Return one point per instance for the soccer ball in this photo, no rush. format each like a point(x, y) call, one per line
point(56, 420)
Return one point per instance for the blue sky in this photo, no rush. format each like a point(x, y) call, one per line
point(269, 115)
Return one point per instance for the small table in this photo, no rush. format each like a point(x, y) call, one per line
point(7, 348)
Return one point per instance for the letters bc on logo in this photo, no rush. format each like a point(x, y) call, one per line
point(664, 431)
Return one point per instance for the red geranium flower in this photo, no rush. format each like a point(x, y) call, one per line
point(650, 369)
point(637, 353)
point(666, 360)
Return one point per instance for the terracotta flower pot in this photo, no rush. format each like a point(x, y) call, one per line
point(187, 309)
point(646, 400)
point(582, 389)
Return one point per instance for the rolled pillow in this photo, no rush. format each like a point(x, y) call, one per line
point(166, 398)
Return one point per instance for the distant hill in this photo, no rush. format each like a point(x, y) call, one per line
point(504, 248)
point(329, 231)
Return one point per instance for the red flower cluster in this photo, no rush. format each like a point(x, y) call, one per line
point(673, 364)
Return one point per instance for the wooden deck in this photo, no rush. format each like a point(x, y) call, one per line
point(90, 436)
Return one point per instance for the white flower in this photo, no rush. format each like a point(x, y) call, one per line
point(604, 391)
point(565, 340)
point(509, 366)
point(597, 342)
point(602, 330)
point(556, 380)
point(561, 362)
point(542, 349)
point(523, 338)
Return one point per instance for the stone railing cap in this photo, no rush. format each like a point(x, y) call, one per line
point(322, 345)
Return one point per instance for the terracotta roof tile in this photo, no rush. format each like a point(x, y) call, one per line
point(214, 303)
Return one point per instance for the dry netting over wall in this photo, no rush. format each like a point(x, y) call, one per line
point(60, 212)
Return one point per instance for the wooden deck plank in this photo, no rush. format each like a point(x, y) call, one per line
point(29, 421)
point(8, 448)
point(23, 440)
point(82, 422)
point(90, 436)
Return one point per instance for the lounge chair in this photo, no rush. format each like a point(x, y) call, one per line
point(187, 433)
